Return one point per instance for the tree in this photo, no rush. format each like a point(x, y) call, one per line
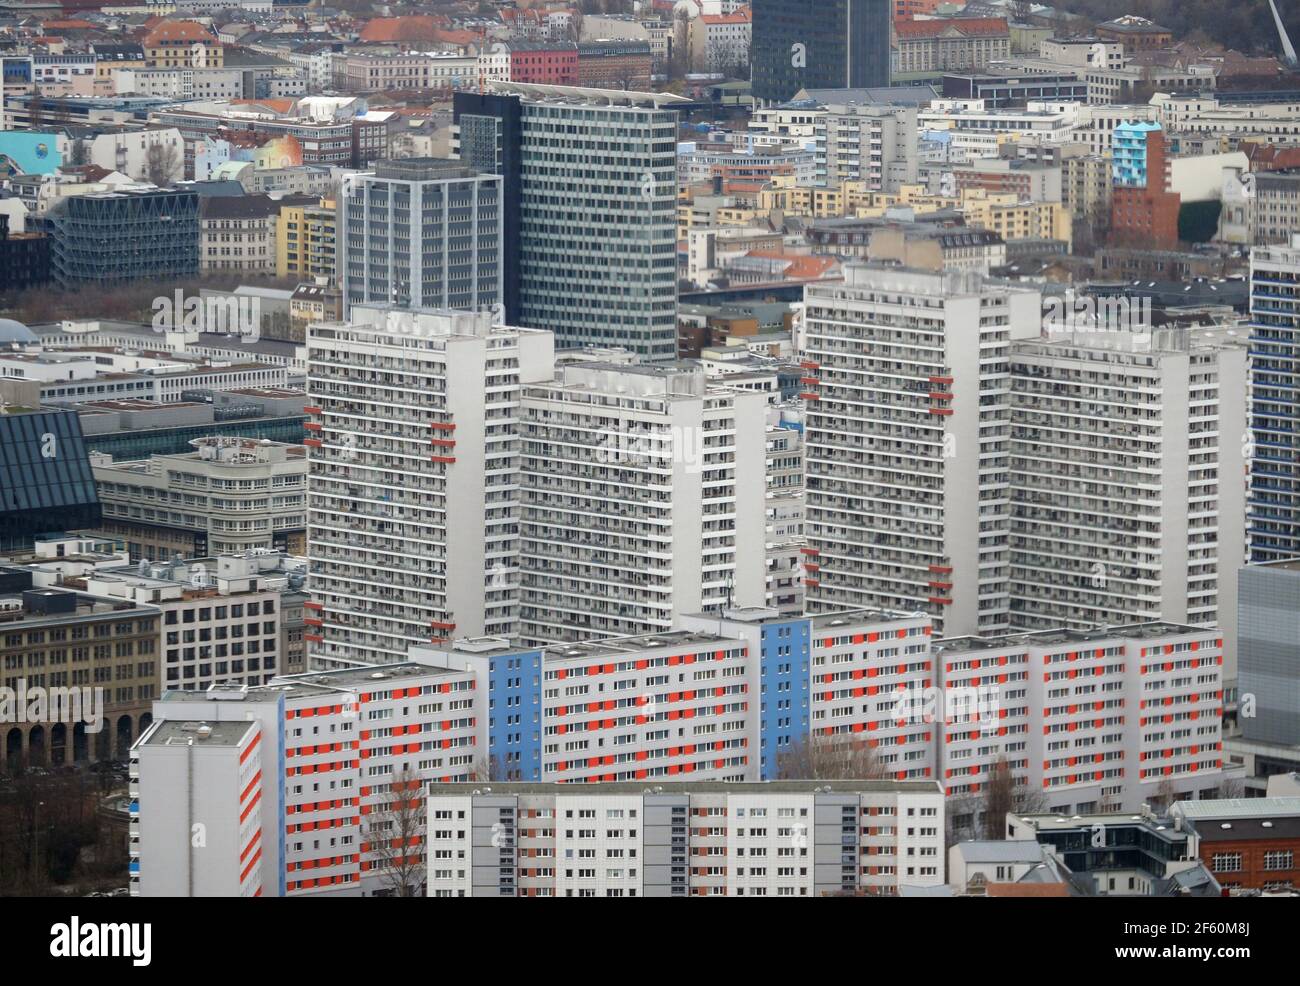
point(79, 153)
point(488, 769)
point(1232, 787)
point(1005, 794)
point(1166, 795)
point(160, 163)
point(394, 836)
point(822, 758)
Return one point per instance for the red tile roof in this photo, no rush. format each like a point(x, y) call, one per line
point(971, 27)
point(178, 31)
point(421, 27)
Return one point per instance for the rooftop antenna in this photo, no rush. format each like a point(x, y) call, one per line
point(1288, 50)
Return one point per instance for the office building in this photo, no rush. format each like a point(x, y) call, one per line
point(1274, 439)
point(228, 496)
point(643, 499)
point(220, 625)
point(781, 839)
point(590, 200)
point(421, 233)
point(45, 476)
point(1268, 657)
point(830, 44)
point(909, 412)
point(1247, 843)
point(108, 238)
point(1140, 854)
point(24, 258)
point(413, 489)
point(101, 651)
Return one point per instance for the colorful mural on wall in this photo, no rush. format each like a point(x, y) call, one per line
point(29, 153)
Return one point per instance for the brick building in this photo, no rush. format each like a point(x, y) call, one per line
point(551, 63)
point(1251, 844)
point(620, 64)
point(1143, 210)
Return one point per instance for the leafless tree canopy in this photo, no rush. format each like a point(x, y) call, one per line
point(394, 834)
point(160, 162)
point(823, 758)
point(1003, 794)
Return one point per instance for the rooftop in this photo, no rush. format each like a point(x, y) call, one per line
point(686, 789)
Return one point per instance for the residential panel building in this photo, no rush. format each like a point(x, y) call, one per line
point(909, 498)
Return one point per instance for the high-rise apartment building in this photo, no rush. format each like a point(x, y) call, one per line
point(1103, 720)
point(1275, 410)
point(590, 200)
point(908, 452)
point(1127, 475)
point(782, 839)
point(343, 754)
point(421, 233)
point(203, 784)
point(643, 499)
point(828, 44)
point(413, 503)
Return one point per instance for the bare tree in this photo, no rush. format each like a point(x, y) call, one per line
point(1166, 795)
point(1005, 794)
point(488, 769)
point(79, 153)
point(821, 758)
point(1232, 787)
point(160, 162)
point(394, 836)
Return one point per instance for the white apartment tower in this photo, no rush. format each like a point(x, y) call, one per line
point(413, 481)
point(643, 499)
point(908, 390)
point(1128, 478)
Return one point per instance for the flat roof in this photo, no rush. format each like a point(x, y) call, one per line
point(176, 733)
point(692, 787)
point(1049, 638)
point(620, 646)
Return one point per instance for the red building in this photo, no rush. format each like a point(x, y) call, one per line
point(1251, 844)
point(551, 63)
point(1143, 211)
point(622, 64)
point(907, 9)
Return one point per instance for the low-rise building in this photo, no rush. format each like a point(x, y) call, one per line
point(228, 496)
point(779, 839)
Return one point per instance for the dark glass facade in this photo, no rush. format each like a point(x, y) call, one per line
point(818, 44)
point(141, 443)
point(45, 480)
point(24, 260)
point(115, 238)
point(490, 142)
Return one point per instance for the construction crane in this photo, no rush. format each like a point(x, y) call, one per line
point(1288, 50)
